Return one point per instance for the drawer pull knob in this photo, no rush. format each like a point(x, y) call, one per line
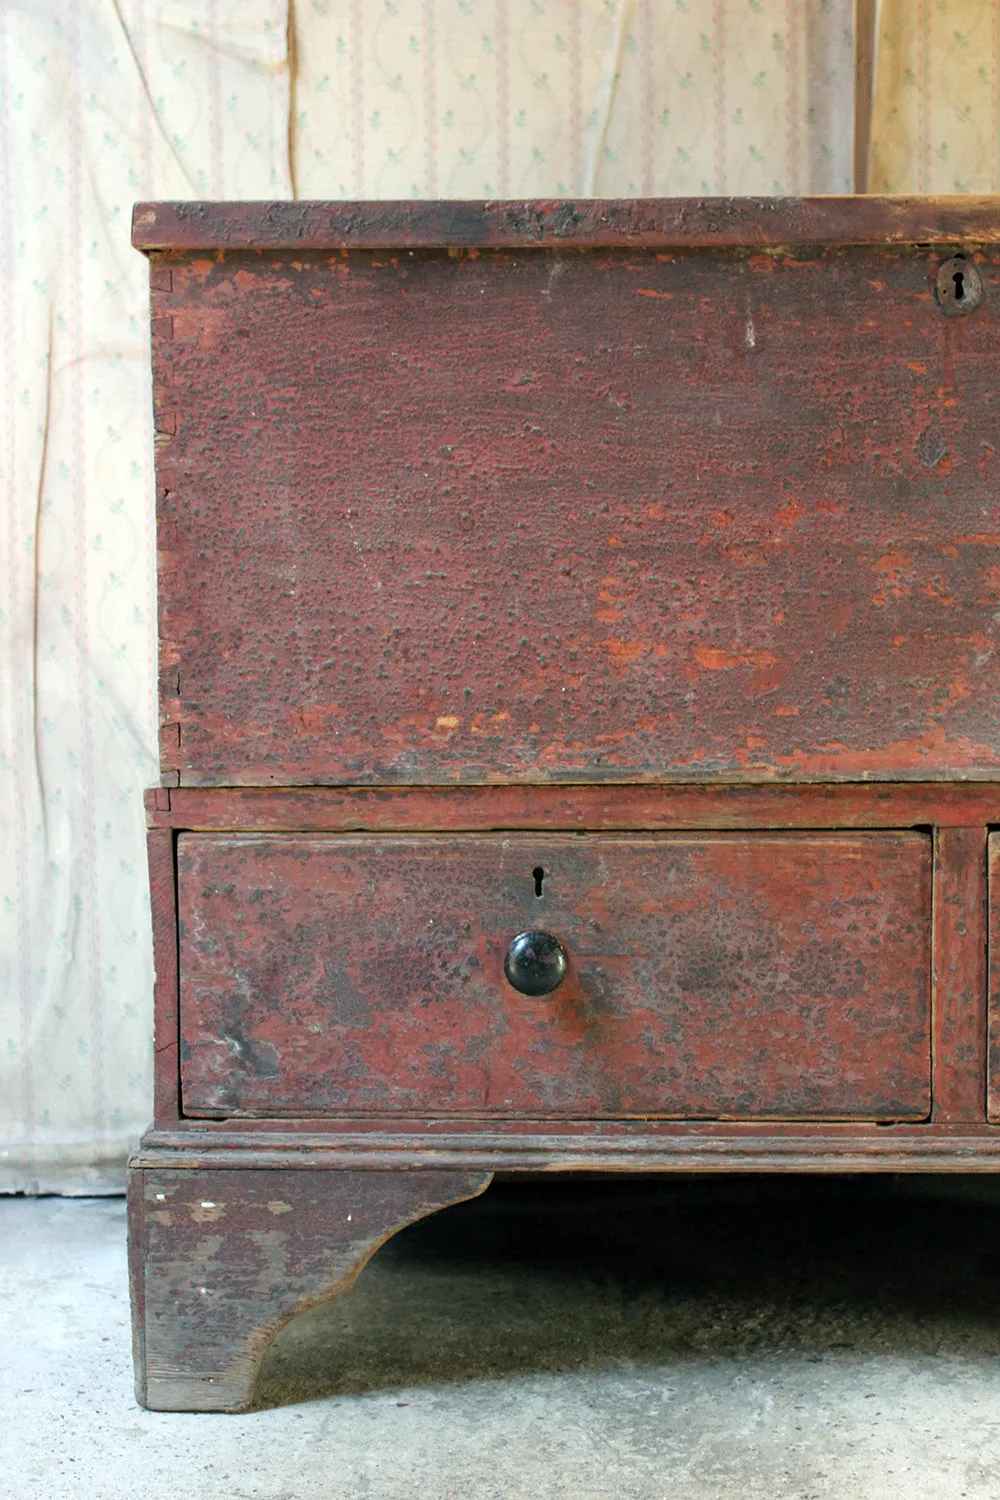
point(535, 963)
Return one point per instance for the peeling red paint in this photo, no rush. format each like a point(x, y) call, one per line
point(404, 532)
point(741, 976)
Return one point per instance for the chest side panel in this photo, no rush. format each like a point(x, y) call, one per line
point(709, 975)
point(575, 515)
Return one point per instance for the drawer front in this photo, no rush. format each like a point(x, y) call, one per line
point(430, 518)
point(993, 1051)
point(707, 975)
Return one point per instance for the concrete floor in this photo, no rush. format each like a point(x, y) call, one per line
point(727, 1339)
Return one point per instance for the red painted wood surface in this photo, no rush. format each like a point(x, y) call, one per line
point(960, 983)
point(220, 1260)
point(602, 515)
point(993, 1082)
point(783, 975)
point(163, 904)
point(659, 223)
point(576, 1145)
point(479, 809)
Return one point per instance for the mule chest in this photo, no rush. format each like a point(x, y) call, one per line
point(580, 734)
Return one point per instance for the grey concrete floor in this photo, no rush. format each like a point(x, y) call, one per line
point(726, 1339)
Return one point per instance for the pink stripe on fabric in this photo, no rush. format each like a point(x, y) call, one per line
point(648, 100)
point(718, 25)
point(79, 494)
point(146, 132)
point(503, 84)
point(430, 103)
point(791, 103)
point(216, 177)
point(923, 27)
point(575, 95)
point(358, 98)
point(20, 690)
point(995, 48)
point(145, 124)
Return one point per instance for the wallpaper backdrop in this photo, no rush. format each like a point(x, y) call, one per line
point(103, 102)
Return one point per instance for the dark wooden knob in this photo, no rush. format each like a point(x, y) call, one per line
point(535, 963)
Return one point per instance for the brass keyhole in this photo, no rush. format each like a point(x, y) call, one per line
point(959, 286)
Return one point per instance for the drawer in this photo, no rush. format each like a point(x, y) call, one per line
point(711, 976)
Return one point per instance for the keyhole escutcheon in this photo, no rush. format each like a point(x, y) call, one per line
point(538, 875)
point(959, 286)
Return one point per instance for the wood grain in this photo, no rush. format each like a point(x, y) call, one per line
point(703, 516)
point(166, 1001)
point(776, 975)
point(221, 1259)
point(993, 1088)
point(576, 1146)
point(480, 809)
point(960, 974)
point(711, 223)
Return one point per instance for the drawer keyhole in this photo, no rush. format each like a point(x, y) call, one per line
point(959, 286)
point(539, 875)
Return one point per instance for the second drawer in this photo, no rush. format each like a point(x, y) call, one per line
point(706, 975)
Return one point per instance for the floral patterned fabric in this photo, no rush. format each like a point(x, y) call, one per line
point(936, 111)
point(108, 101)
point(104, 102)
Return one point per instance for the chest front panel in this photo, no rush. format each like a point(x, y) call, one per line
point(575, 515)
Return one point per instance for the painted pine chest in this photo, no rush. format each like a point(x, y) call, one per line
point(580, 718)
